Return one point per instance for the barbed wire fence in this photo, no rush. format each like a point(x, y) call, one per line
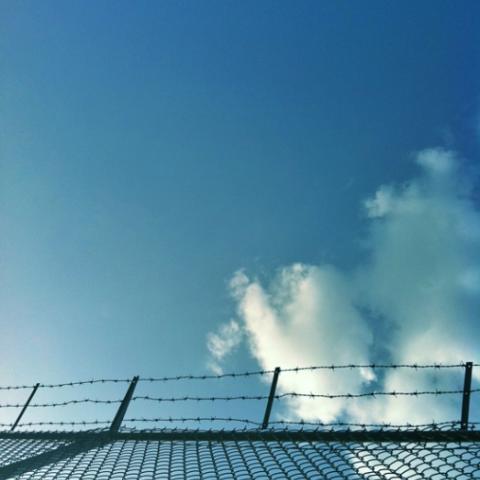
point(161, 447)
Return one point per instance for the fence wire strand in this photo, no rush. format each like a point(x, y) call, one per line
point(333, 367)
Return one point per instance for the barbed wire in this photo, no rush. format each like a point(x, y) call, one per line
point(67, 384)
point(297, 394)
point(318, 424)
point(373, 366)
point(376, 366)
point(59, 423)
point(238, 397)
point(59, 404)
point(192, 419)
point(430, 425)
point(415, 393)
point(136, 420)
point(372, 394)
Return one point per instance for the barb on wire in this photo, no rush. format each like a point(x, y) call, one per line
point(17, 387)
point(379, 366)
point(376, 426)
point(352, 366)
point(59, 404)
point(85, 382)
point(285, 423)
point(192, 419)
point(414, 366)
point(200, 399)
point(297, 394)
point(63, 423)
point(372, 394)
point(67, 384)
point(206, 377)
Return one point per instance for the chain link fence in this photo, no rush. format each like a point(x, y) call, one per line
point(272, 454)
point(268, 449)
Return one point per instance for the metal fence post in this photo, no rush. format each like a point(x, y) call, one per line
point(466, 395)
point(122, 409)
point(271, 397)
point(35, 388)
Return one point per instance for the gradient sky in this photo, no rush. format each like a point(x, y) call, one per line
point(151, 149)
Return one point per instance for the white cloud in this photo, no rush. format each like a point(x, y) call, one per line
point(222, 343)
point(381, 203)
point(419, 279)
point(306, 317)
point(437, 160)
point(415, 296)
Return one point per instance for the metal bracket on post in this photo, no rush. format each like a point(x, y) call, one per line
point(466, 395)
point(271, 397)
point(35, 388)
point(122, 409)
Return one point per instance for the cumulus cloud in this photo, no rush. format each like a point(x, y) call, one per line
point(420, 279)
point(437, 160)
point(381, 203)
point(413, 298)
point(283, 328)
point(222, 343)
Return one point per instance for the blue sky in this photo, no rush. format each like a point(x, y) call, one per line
point(150, 150)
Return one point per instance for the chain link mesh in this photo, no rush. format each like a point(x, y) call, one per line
point(93, 456)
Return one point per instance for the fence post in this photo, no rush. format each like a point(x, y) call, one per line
point(122, 409)
point(271, 397)
point(25, 407)
point(466, 395)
